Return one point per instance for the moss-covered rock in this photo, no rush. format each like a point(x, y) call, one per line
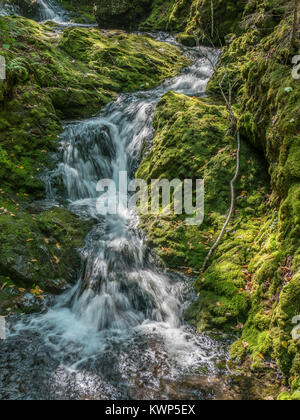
point(197, 19)
point(27, 8)
point(79, 11)
point(70, 74)
point(261, 73)
point(124, 14)
point(38, 251)
point(258, 65)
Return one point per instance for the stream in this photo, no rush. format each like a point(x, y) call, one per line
point(119, 333)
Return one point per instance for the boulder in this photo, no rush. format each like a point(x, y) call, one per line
point(26, 8)
point(41, 249)
point(121, 14)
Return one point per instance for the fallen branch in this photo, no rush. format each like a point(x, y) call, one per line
point(232, 191)
point(234, 126)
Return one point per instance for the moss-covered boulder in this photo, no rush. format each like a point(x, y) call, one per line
point(258, 64)
point(124, 14)
point(203, 20)
point(40, 249)
point(27, 8)
point(79, 11)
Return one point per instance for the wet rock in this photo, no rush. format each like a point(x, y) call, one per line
point(27, 8)
point(121, 13)
point(187, 40)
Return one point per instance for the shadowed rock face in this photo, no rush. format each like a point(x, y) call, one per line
point(40, 10)
point(124, 14)
point(26, 8)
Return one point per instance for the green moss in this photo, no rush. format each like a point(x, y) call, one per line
point(79, 11)
point(287, 396)
point(260, 72)
point(65, 75)
point(194, 18)
point(39, 249)
point(257, 64)
point(159, 18)
point(251, 286)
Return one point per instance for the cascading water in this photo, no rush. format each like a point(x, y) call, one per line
point(40, 10)
point(6, 9)
point(119, 333)
point(49, 10)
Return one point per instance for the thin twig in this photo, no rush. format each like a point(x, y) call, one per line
point(234, 125)
point(232, 191)
point(212, 18)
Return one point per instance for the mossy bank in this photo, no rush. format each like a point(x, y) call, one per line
point(79, 11)
point(251, 286)
point(39, 254)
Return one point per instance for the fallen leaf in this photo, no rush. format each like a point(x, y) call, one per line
point(3, 286)
point(245, 344)
point(57, 260)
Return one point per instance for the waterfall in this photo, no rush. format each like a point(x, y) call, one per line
point(120, 286)
point(40, 10)
point(125, 312)
point(49, 10)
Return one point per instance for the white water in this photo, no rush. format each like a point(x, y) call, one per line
point(43, 10)
point(120, 288)
point(122, 297)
